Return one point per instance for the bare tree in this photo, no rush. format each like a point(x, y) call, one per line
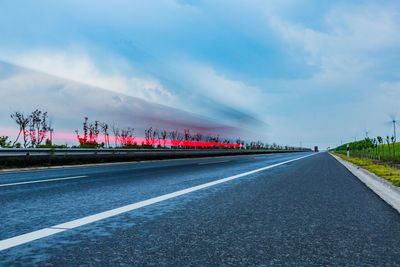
point(84, 139)
point(90, 133)
point(116, 133)
point(214, 139)
point(156, 137)
point(186, 134)
point(38, 127)
point(163, 135)
point(104, 130)
point(179, 138)
point(173, 135)
point(198, 137)
point(239, 142)
point(23, 122)
point(94, 132)
point(150, 136)
point(127, 138)
point(226, 141)
point(207, 138)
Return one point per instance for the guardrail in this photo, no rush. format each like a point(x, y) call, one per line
point(69, 156)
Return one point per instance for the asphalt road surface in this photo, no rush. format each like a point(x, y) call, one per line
point(297, 209)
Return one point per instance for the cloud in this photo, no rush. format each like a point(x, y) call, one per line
point(211, 94)
point(350, 41)
point(77, 66)
point(215, 95)
point(204, 80)
point(68, 102)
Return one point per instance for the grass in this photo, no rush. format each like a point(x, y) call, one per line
point(382, 170)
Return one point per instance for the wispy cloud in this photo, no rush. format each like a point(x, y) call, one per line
point(78, 66)
point(68, 102)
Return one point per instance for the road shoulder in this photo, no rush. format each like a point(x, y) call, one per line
point(384, 189)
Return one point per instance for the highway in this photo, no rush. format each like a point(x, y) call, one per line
point(273, 209)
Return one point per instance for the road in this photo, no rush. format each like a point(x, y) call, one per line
point(275, 209)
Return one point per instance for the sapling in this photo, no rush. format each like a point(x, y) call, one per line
point(38, 127)
point(394, 149)
point(388, 144)
point(380, 141)
point(23, 122)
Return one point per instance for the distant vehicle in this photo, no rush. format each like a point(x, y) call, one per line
point(316, 149)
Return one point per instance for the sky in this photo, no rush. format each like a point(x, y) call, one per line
point(291, 72)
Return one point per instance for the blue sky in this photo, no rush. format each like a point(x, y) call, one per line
point(315, 72)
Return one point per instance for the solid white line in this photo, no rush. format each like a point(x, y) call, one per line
point(212, 162)
point(43, 181)
point(25, 238)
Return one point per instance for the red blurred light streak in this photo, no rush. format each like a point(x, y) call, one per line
point(139, 141)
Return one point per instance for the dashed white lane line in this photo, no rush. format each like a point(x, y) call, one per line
point(26, 238)
point(44, 181)
point(212, 162)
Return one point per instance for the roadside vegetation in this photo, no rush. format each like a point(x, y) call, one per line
point(385, 171)
point(380, 155)
point(384, 149)
point(35, 131)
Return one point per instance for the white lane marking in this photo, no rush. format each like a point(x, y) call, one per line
point(43, 181)
point(25, 238)
point(212, 162)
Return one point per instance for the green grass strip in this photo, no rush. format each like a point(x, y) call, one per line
point(382, 170)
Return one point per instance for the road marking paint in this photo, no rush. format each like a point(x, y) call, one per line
point(26, 238)
point(212, 162)
point(43, 181)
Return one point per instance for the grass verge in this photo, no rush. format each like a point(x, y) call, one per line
point(382, 170)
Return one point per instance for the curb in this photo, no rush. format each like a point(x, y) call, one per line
point(384, 189)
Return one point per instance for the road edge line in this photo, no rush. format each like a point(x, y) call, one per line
point(384, 189)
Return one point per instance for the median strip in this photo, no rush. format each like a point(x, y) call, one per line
point(25, 238)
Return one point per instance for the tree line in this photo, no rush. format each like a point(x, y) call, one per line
point(100, 134)
point(379, 148)
point(34, 131)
